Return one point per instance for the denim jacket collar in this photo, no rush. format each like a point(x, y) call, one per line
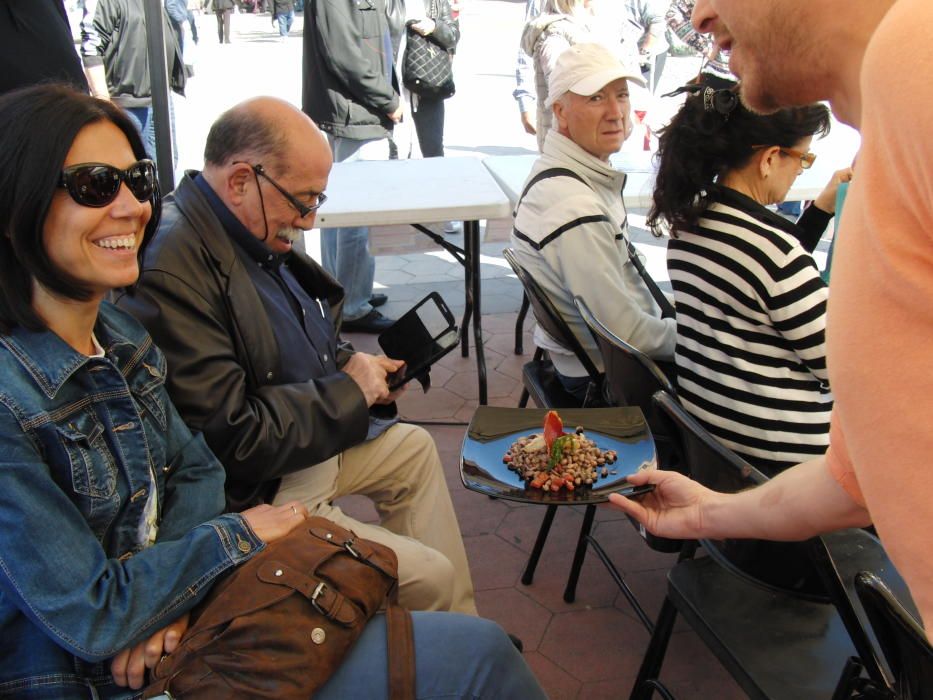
point(50, 361)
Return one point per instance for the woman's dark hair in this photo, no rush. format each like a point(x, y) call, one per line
point(712, 134)
point(37, 128)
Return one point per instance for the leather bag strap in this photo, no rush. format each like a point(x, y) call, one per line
point(400, 650)
point(667, 309)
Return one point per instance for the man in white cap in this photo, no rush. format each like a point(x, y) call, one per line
point(571, 229)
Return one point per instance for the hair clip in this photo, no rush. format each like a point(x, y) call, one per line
point(722, 101)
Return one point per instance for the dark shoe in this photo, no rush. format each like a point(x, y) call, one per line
point(373, 322)
point(377, 300)
point(517, 643)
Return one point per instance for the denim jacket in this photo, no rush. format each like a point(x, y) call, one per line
point(80, 438)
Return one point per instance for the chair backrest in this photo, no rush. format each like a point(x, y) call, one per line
point(782, 566)
point(631, 376)
point(548, 317)
point(902, 641)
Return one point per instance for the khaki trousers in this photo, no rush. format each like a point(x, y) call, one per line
point(401, 472)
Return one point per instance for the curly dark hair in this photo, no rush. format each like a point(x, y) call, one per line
point(703, 143)
point(40, 124)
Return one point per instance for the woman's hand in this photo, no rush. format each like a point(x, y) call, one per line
point(674, 509)
point(273, 522)
point(424, 26)
point(826, 200)
point(129, 666)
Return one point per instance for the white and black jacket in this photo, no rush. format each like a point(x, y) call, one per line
point(571, 235)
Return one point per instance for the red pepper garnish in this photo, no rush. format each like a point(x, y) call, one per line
point(553, 429)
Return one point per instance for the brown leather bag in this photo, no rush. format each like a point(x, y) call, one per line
point(279, 625)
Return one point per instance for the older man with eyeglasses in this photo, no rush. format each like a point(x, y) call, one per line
point(250, 330)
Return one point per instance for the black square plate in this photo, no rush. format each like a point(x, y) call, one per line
point(493, 429)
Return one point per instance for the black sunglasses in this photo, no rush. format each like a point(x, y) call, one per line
point(303, 209)
point(97, 184)
point(722, 101)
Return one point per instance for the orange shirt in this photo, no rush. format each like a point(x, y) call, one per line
point(880, 319)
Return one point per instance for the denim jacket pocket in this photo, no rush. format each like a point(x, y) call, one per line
point(93, 470)
point(148, 390)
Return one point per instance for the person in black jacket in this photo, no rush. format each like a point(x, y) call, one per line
point(350, 89)
point(36, 45)
point(250, 330)
point(115, 30)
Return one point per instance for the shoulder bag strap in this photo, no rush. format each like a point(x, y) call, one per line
point(667, 309)
point(400, 649)
point(545, 175)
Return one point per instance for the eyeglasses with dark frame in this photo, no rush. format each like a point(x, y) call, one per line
point(98, 184)
point(807, 159)
point(303, 209)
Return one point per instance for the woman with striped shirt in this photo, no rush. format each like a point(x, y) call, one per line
point(751, 359)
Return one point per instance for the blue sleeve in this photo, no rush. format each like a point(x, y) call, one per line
point(194, 480)
point(54, 569)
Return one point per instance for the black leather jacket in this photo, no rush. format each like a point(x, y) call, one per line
point(197, 301)
point(349, 85)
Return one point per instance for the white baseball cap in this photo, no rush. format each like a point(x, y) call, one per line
point(585, 69)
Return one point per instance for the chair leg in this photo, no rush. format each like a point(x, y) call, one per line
point(543, 531)
point(654, 654)
point(520, 325)
point(570, 593)
point(620, 582)
point(523, 399)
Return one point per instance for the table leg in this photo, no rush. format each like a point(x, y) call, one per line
point(471, 243)
point(467, 288)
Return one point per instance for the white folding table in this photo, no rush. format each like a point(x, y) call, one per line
point(511, 172)
point(418, 192)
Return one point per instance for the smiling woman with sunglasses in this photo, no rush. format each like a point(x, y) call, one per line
point(751, 360)
point(110, 510)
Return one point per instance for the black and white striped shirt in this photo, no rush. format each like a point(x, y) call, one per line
point(751, 317)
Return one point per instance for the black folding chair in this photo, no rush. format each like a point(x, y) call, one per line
point(538, 376)
point(541, 384)
point(777, 615)
point(632, 378)
point(902, 641)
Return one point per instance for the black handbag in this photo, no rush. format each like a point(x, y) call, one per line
point(426, 65)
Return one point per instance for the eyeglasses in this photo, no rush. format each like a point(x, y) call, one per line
point(97, 184)
point(807, 159)
point(303, 209)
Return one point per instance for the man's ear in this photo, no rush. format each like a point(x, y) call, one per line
point(559, 110)
point(237, 177)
